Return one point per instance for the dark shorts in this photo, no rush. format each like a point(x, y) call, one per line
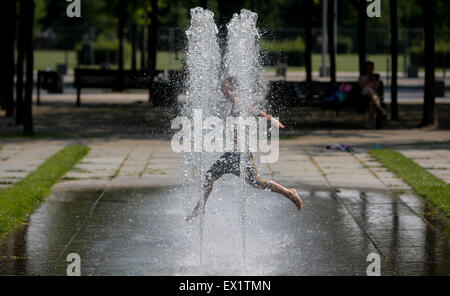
point(229, 163)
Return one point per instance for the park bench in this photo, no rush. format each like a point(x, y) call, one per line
point(159, 93)
point(51, 81)
point(285, 94)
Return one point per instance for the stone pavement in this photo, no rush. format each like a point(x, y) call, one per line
point(336, 169)
point(122, 163)
point(436, 161)
point(17, 160)
point(120, 209)
point(141, 231)
point(134, 162)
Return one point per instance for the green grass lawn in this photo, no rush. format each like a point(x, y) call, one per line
point(50, 58)
point(423, 182)
point(170, 60)
point(350, 63)
point(18, 200)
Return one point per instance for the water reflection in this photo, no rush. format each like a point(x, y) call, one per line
point(142, 232)
point(411, 244)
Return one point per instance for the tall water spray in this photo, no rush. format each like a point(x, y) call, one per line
point(204, 63)
point(242, 62)
point(242, 59)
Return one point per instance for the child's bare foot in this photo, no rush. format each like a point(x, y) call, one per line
point(296, 199)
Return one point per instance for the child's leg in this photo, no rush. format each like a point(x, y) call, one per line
point(291, 194)
point(255, 180)
point(225, 164)
point(207, 188)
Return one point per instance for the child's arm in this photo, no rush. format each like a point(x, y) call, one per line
point(260, 113)
point(229, 94)
point(270, 118)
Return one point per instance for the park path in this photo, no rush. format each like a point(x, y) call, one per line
point(128, 162)
point(17, 160)
point(435, 161)
point(133, 162)
point(119, 209)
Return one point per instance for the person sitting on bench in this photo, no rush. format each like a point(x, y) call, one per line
point(369, 92)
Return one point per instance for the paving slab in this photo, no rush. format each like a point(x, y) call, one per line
point(141, 231)
point(18, 160)
point(437, 162)
point(122, 209)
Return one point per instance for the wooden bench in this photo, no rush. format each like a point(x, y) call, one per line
point(159, 93)
point(49, 80)
point(285, 94)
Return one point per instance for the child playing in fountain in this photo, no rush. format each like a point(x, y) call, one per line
point(229, 162)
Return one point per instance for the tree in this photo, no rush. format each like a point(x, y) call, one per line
point(152, 36)
point(361, 6)
point(121, 12)
point(8, 20)
point(142, 47)
point(20, 63)
point(331, 15)
point(394, 58)
point(27, 106)
point(429, 14)
point(308, 38)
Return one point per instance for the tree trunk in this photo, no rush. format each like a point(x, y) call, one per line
point(142, 45)
point(133, 47)
point(28, 114)
point(121, 13)
point(361, 6)
point(394, 58)
point(7, 51)
point(308, 38)
point(20, 63)
point(429, 14)
point(331, 49)
point(152, 36)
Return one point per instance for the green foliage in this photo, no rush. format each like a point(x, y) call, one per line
point(296, 45)
point(442, 50)
point(344, 44)
point(424, 183)
point(105, 44)
point(19, 199)
point(290, 51)
point(99, 14)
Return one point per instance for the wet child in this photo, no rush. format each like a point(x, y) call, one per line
point(229, 162)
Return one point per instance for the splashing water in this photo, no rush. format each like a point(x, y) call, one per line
point(203, 62)
point(241, 61)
